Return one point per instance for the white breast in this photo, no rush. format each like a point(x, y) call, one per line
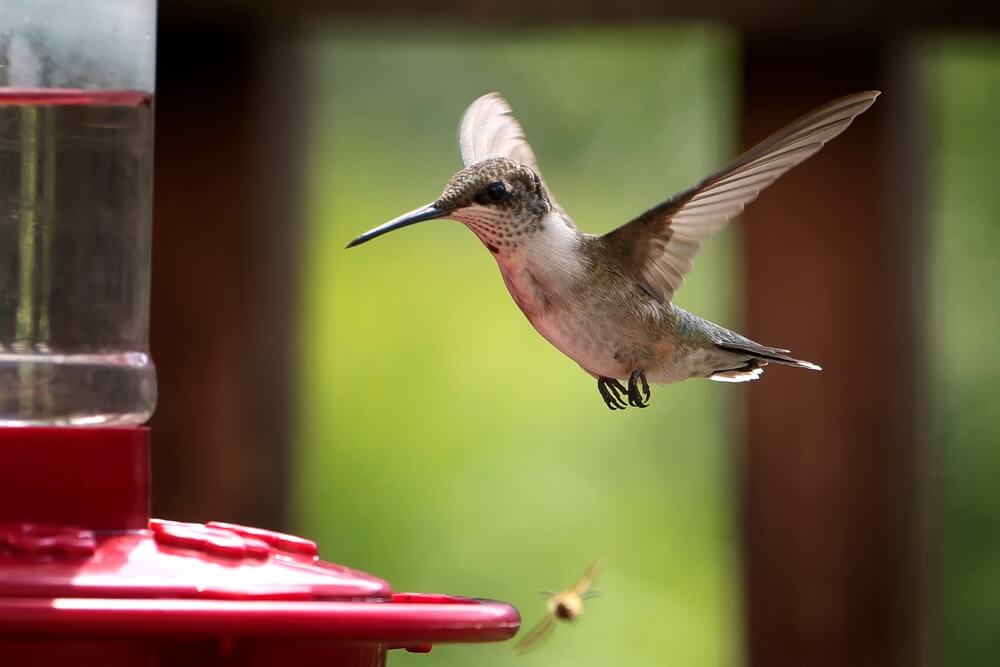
point(539, 276)
point(553, 254)
point(544, 268)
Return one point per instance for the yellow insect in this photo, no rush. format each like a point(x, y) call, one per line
point(565, 606)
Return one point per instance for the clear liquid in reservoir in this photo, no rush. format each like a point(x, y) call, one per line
point(75, 228)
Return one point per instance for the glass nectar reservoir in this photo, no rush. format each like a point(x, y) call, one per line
point(76, 135)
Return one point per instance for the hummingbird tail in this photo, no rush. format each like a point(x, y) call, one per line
point(766, 354)
point(749, 371)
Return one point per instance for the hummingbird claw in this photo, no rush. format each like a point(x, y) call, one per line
point(635, 380)
point(612, 392)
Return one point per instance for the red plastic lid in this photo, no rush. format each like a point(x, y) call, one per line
point(191, 579)
point(78, 558)
point(175, 560)
point(397, 624)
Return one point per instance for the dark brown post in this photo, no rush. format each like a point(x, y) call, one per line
point(225, 234)
point(831, 459)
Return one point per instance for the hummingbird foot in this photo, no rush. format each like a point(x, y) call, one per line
point(613, 393)
point(636, 380)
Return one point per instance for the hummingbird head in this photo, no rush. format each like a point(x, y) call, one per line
point(502, 201)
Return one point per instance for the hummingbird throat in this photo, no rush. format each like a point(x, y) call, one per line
point(502, 231)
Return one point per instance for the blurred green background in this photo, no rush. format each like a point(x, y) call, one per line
point(963, 94)
point(445, 446)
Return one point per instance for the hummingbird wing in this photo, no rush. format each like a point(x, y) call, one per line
point(489, 129)
point(536, 635)
point(587, 580)
point(657, 247)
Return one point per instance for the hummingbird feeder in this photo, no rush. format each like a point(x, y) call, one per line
point(86, 576)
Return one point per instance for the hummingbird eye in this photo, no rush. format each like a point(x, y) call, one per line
point(494, 192)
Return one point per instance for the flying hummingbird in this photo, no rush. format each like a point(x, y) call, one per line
point(605, 301)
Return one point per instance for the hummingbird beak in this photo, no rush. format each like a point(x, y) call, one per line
point(429, 212)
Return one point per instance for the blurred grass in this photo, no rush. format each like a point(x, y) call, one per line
point(963, 86)
point(443, 444)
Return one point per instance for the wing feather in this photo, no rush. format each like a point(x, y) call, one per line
point(587, 580)
point(489, 130)
point(658, 247)
point(536, 635)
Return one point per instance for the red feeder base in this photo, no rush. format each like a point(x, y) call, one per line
point(87, 578)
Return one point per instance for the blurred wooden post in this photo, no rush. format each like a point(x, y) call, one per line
point(225, 233)
point(830, 524)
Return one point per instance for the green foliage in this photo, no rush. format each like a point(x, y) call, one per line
point(443, 444)
point(963, 84)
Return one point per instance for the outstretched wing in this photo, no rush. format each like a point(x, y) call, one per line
point(587, 580)
point(489, 129)
point(657, 247)
point(536, 635)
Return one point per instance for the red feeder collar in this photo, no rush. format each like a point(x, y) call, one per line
point(84, 571)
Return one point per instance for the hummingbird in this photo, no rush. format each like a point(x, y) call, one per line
point(605, 301)
point(564, 606)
